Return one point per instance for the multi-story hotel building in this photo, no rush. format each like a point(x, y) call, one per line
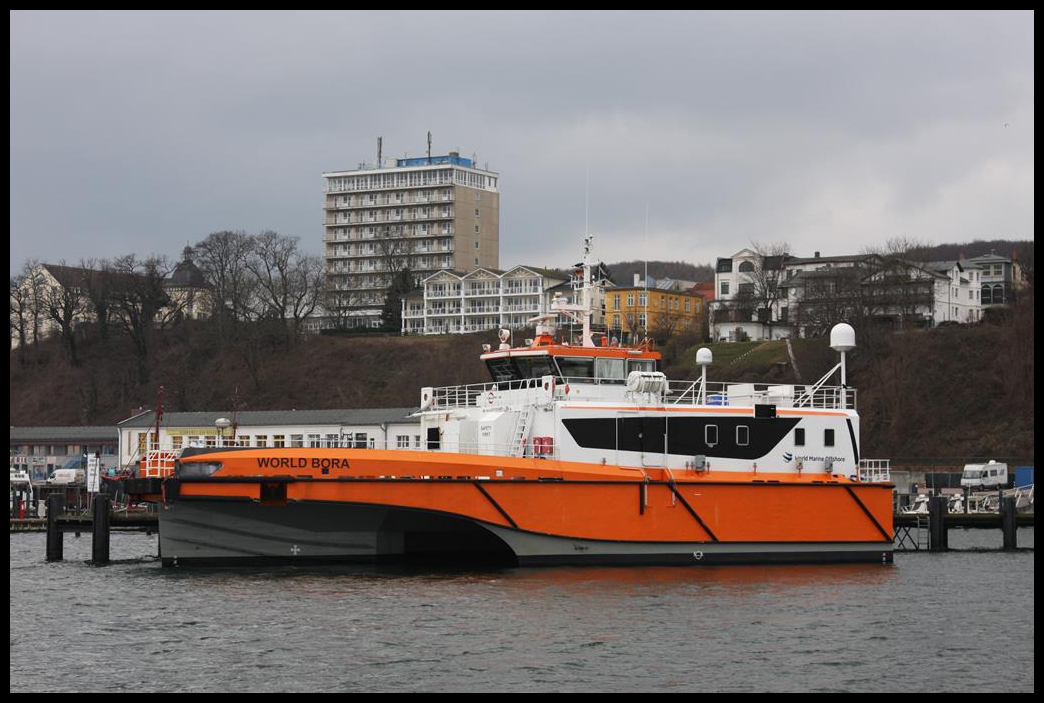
point(450, 302)
point(426, 214)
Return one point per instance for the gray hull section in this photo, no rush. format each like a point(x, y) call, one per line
point(535, 549)
point(242, 532)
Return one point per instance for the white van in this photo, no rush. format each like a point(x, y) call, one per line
point(991, 475)
point(63, 476)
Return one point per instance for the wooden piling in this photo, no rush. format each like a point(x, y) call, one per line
point(100, 531)
point(1008, 523)
point(937, 541)
point(54, 535)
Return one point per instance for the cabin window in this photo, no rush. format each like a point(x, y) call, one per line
point(742, 435)
point(641, 365)
point(611, 369)
point(828, 438)
point(433, 438)
point(360, 440)
point(576, 366)
point(710, 435)
point(799, 437)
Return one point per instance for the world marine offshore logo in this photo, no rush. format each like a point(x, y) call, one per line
point(788, 457)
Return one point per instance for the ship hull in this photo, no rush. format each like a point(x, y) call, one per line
point(531, 523)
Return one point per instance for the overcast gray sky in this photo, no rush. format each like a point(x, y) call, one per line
point(140, 132)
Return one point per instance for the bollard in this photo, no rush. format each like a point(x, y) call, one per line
point(100, 531)
point(937, 524)
point(54, 535)
point(1008, 523)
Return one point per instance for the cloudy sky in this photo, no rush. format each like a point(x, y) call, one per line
point(141, 132)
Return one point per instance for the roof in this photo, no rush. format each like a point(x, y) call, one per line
point(78, 277)
point(266, 418)
point(817, 259)
point(187, 275)
point(105, 433)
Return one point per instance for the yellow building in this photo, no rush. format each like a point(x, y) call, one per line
point(653, 312)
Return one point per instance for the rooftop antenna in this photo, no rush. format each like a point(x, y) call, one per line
point(587, 199)
point(429, 146)
point(645, 330)
point(379, 140)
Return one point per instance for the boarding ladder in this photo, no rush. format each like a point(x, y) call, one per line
point(522, 427)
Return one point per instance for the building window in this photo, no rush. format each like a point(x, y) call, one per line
point(402, 441)
point(278, 440)
point(297, 440)
point(724, 288)
point(261, 440)
point(630, 300)
point(746, 267)
point(360, 440)
point(616, 302)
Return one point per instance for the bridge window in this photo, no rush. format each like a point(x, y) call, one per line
point(640, 365)
point(828, 438)
point(799, 437)
point(576, 366)
point(613, 369)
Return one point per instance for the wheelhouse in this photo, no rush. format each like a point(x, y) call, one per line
point(575, 364)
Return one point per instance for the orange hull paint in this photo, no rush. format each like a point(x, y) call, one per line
point(574, 500)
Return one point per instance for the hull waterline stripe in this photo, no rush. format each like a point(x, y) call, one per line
point(495, 504)
point(870, 515)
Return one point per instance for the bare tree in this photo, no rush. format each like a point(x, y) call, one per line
point(97, 283)
point(289, 283)
point(65, 304)
point(138, 298)
point(223, 257)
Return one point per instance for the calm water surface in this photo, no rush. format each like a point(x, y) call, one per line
point(961, 621)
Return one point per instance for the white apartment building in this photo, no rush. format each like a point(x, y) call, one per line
point(426, 214)
point(1001, 278)
point(761, 298)
point(451, 302)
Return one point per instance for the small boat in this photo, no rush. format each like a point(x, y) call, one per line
point(577, 451)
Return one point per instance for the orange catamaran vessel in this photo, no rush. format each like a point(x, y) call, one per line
point(573, 454)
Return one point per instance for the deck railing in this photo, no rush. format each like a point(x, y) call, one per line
point(875, 470)
point(677, 393)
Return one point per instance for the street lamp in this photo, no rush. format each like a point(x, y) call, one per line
point(222, 424)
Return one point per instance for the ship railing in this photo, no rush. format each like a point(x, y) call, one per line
point(724, 393)
point(720, 393)
point(450, 397)
point(875, 470)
